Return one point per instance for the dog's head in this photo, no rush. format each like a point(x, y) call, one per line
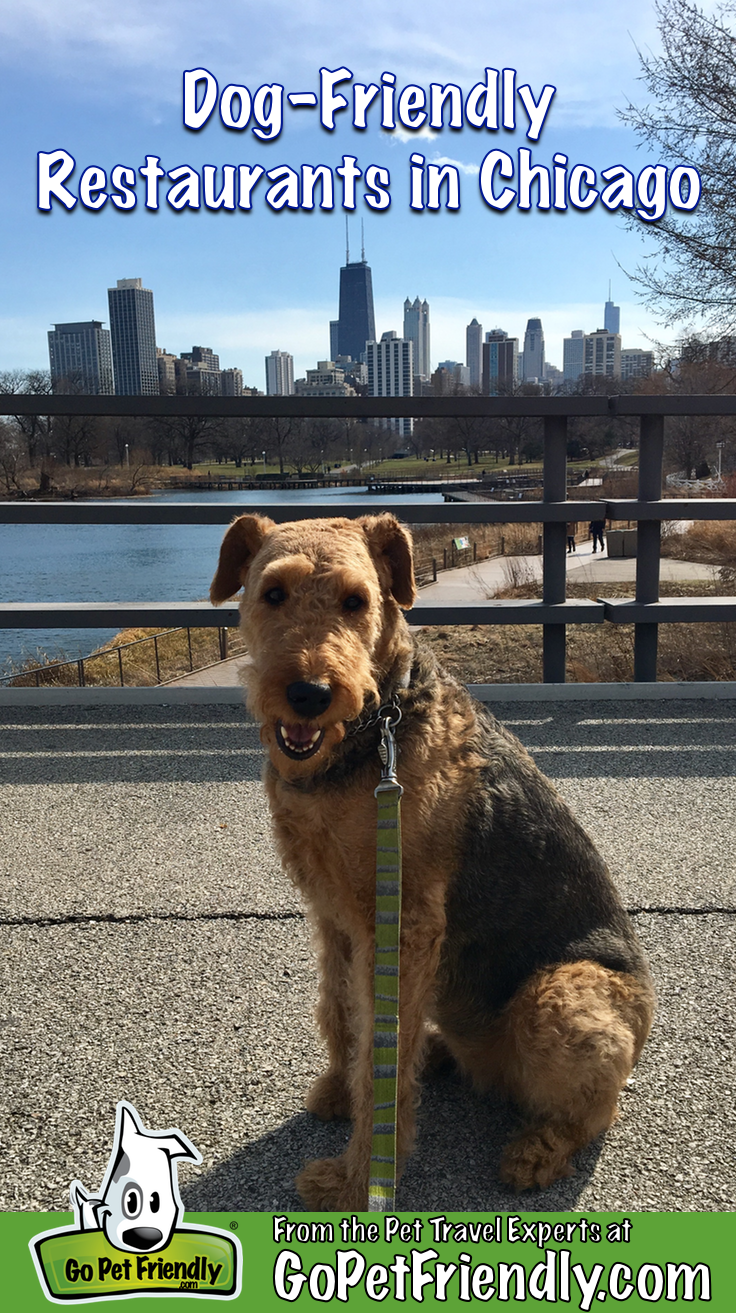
point(321, 617)
point(139, 1205)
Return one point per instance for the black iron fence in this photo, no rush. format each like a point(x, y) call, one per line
point(109, 665)
point(554, 611)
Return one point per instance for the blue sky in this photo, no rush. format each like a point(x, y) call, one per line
point(103, 81)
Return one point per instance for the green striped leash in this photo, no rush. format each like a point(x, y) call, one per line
point(382, 1179)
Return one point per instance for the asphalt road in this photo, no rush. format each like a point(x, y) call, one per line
point(154, 950)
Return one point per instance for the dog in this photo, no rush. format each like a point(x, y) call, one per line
point(518, 962)
point(138, 1205)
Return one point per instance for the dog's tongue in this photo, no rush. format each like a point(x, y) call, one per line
point(299, 733)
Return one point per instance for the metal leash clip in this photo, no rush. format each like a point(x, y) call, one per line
point(387, 749)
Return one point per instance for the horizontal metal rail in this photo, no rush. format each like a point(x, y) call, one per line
point(480, 512)
point(675, 610)
point(201, 615)
point(554, 612)
point(367, 407)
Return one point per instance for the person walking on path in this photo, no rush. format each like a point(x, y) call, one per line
point(571, 531)
point(596, 531)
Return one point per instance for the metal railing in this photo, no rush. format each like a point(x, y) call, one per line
point(554, 612)
point(40, 676)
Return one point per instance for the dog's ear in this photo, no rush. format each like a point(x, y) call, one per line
point(239, 546)
point(391, 543)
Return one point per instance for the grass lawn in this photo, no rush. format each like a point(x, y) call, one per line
point(409, 468)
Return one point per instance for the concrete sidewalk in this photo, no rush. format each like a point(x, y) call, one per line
point(485, 578)
point(473, 583)
point(153, 950)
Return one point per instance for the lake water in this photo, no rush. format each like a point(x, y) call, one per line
point(127, 563)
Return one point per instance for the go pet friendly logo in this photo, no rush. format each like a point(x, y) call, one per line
point(129, 1239)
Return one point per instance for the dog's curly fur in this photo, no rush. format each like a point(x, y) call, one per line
point(515, 946)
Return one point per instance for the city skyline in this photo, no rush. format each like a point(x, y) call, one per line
point(72, 343)
point(109, 90)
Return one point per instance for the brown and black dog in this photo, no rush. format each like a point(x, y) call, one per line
point(516, 950)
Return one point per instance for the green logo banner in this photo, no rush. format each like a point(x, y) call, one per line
point(574, 1261)
point(78, 1266)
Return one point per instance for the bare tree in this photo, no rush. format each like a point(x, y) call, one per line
point(12, 460)
point(691, 119)
point(36, 429)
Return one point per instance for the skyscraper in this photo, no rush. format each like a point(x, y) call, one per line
point(500, 363)
point(534, 350)
point(133, 332)
point(279, 374)
point(356, 322)
point(474, 352)
point(602, 353)
point(391, 373)
point(416, 330)
point(80, 358)
point(611, 315)
point(573, 353)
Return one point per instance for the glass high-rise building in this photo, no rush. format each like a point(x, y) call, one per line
point(611, 317)
point(500, 363)
point(80, 358)
point(534, 350)
point(474, 352)
point(133, 332)
point(573, 355)
point(356, 323)
point(416, 330)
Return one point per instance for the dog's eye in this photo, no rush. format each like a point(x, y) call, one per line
point(274, 596)
point(132, 1200)
point(154, 1202)
point(353, 603)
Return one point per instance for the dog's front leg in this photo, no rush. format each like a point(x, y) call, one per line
point(329, 1096)
point(342, 1183)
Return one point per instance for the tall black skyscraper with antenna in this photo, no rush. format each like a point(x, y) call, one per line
point(356, 323)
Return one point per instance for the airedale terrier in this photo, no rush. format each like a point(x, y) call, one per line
point(516, 950)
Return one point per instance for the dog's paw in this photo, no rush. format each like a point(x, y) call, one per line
point(536, 1159)
point(329, 1097)
point(326, 1186)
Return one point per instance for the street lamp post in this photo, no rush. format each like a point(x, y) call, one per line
point(264, 461)
point(127, 455)
point(720, 446)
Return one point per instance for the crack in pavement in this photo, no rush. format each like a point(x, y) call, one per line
point(133, 918)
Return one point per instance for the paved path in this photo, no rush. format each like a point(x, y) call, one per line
point(484, 579)
point(153, 950)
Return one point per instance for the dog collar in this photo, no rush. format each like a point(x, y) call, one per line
point(388, 706)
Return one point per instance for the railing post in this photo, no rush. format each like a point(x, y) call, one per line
point(651, 450)
point(155, 652)
point(554, 541)
point(80, 672)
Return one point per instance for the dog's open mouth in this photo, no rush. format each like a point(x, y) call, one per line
point(298, 741)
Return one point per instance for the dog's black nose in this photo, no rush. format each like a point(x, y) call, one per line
point(142, 1237)
point(309, 699)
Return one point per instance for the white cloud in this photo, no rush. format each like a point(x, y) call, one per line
point(464, 168)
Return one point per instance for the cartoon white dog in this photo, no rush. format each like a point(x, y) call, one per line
point(138, 1205)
